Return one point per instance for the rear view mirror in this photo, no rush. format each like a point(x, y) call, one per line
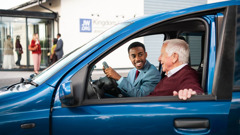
point(66, 95)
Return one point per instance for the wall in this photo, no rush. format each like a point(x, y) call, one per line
point(103, 14)
point(213, 1)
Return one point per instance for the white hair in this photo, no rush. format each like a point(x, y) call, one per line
point(178, 46)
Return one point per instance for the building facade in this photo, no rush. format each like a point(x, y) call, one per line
point(79, 21)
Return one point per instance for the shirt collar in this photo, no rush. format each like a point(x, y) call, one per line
point(176, 69)
point(59, 38)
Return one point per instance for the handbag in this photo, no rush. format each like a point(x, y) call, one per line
point(32, 48)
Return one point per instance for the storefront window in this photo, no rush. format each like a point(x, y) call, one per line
point(45, 31)
point(24, 28)
point(14, 27)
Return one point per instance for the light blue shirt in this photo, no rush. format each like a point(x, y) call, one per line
point(145, 83)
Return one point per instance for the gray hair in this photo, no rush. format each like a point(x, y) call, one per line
point(178, 46)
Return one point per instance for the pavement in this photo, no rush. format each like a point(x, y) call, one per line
point(11, 77)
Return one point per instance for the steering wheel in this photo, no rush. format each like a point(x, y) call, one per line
point(103, 85)
point(93, 91)
point(111, 85)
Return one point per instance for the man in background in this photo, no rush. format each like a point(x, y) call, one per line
point(59, 48)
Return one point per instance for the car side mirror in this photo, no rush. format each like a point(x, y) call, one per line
point(66, 94)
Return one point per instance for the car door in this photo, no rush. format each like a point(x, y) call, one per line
point(202, 114)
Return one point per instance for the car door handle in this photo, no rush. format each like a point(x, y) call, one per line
point(187, 125)
point(28, 125)
point(191, 123)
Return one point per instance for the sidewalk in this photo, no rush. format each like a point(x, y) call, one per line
point(14, 74)
point(11, 77)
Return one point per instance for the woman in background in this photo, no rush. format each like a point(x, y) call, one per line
point(8, 59)
point(35, 47)
point(53, 56)
point(19, 51)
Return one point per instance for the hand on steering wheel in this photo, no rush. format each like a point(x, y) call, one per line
point(112, 76)
point(111, 73)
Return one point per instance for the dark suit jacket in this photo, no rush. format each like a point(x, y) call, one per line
point(59, 49)
point(186, 78)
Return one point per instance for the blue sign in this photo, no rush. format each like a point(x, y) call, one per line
point(85, 25)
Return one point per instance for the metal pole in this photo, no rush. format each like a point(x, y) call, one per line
point(28, 54)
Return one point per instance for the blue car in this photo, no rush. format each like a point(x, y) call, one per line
point(64, 99)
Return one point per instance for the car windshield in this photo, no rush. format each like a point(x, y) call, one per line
point(48, 72)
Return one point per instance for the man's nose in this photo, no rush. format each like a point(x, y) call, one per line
point(137, 58)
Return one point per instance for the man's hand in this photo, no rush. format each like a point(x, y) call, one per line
point(112, 73)
point(184, 94)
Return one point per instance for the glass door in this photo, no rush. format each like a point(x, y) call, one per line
point(44, 28)
point(14, 27)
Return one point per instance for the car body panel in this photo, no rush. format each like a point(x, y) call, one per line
point(140, 118)
point(39, 110)
point(234, 115)
point(212, 53)
point(24, 108)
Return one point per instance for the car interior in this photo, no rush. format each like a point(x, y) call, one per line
point(193, 30)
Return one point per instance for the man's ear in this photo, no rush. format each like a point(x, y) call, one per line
point(175, 57)
point(146, 54)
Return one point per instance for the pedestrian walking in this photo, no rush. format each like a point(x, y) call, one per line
point(18, 49)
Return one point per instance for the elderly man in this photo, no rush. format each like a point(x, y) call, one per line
point(142, 79)
point(180, 78)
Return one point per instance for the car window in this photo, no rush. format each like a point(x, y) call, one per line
point(120, 62)
point(193, 31)
point(119, 58)
point(237, 54)
point(195, 42)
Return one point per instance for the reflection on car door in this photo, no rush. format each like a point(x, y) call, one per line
point(191, 117)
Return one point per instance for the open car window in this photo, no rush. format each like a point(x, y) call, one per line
point(195, 30)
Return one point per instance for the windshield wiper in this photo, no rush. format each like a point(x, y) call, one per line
point(21, 85)
point(29, 80)
point(24, 81)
